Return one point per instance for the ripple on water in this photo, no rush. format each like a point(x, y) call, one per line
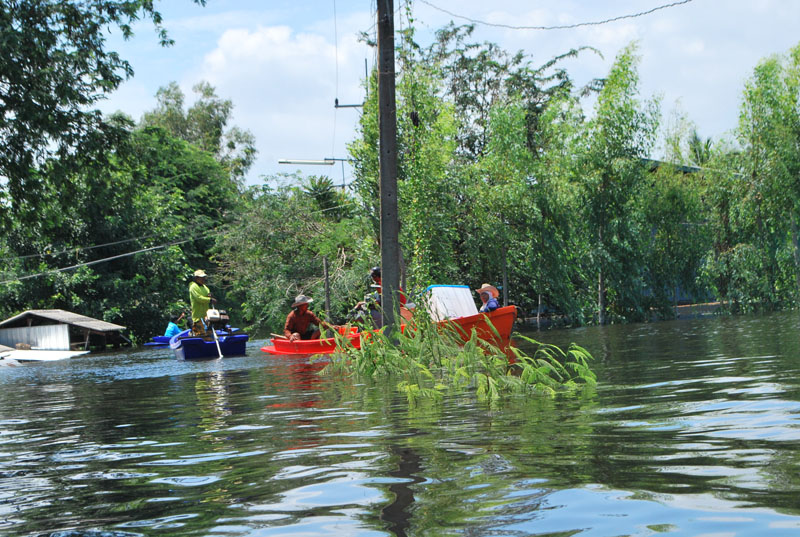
point(109, 476)
point(187, 480)
point(340, 490)
point(161, 523)
point(596, 511)
point(94, 533)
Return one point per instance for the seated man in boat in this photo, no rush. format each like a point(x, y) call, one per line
point(488, 294)
point(375, 274)
point(370, 307)
point(301, 323)
point(172, 328)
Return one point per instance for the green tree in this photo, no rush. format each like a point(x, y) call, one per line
point(619, 138)
point(769, 132)
point(452, 226)
point(204, 124)
point(678, 235)
point(699, 150)
point(152, 191)
point(478, 76)
point(55, 67)
point(273, 251)
point(527, 202)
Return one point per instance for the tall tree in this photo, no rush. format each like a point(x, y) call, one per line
point(477, 76)
point(54, 67)
point(619, 138)
point(204, 124)
point(769, 133)
point(274, 250)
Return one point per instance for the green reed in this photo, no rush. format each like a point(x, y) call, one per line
point(433, 359)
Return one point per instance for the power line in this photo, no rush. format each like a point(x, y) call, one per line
point(560, 27)
point(73, 267)
point(77, 249)
point(143, 250)
point(103, 260)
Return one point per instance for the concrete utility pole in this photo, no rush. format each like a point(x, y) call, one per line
point(327, 288)
point(390, 258)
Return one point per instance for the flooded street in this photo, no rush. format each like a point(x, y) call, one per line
point(693, 429)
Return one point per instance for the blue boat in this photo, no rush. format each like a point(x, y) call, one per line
point(163, 341)
point(188, 347)
point(158, 341)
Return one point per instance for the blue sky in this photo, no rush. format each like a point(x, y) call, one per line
point(283, 63)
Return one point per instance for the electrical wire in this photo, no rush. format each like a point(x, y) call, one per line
point(143, 250)
point(560, 27)
point(76, 250)
point(88, 263)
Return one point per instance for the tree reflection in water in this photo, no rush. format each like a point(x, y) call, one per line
point(409, 470)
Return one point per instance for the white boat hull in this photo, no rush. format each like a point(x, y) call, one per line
point(41, 356)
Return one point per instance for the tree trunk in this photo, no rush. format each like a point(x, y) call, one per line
point(327, 288)
point(539, 312)
point(505, 277)
point(601, 298)
point(402, 268)
point(796, 251)
point(601, 286)
point(675, 300)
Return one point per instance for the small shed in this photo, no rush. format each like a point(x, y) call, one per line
point(58, 330)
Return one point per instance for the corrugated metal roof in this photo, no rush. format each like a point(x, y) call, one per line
point(66, 317)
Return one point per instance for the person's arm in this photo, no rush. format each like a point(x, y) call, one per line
point(319, 322)
point(316, 320)
point(288, 325)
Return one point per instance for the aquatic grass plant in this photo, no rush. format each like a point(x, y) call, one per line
point(428, 359)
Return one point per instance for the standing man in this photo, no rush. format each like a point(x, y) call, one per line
point(200, 298)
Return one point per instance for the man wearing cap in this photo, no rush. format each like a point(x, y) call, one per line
point(200, 299)
point(488, 294)
point(300, 321)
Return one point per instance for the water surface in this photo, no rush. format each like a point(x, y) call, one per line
point(693, 429)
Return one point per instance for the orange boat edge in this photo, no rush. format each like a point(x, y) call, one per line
point(309, 347)
point(501, 319)
point(498, 334)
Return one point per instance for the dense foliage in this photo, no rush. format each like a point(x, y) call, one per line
point(54, 67)
point(429, 360)
point(504, 169)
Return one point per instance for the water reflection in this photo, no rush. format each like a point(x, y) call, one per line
point(693, 429)
point(409, 472)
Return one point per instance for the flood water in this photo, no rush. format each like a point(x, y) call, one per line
point(693, 429)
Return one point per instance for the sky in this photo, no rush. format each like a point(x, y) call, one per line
point(283, 63)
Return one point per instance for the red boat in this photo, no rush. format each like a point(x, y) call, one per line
point(449, 305)
point(310, 347)
point(502, 319)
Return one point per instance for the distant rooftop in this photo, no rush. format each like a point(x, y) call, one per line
point(61, 316)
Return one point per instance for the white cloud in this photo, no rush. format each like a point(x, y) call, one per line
point(283, 85)
point(276, 60)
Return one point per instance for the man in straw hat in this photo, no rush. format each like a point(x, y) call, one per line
point(200, 298)
point(488, 294)
point(301, 322)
